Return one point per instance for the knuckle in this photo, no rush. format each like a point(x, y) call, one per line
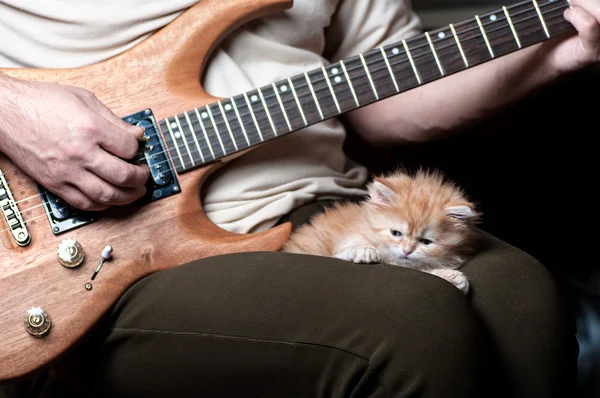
point(83, 204)
point(131, 148)
point(123, 175)
point(107, 196)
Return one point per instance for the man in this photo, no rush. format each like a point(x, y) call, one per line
point(269, 324)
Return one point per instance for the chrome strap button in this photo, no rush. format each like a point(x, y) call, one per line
point(37, 321)
point(70, 253)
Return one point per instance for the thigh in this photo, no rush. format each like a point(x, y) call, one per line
point(527, 318)
point(288, 325)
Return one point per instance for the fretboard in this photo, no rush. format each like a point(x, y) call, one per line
point(203, 135)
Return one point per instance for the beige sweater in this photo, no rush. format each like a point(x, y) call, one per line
point(252, 192)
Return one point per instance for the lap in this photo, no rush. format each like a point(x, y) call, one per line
point(285, 322)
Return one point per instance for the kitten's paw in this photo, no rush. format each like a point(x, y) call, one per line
point(366, 255)
point(455, 277)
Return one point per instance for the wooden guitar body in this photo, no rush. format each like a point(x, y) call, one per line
point(166, 69)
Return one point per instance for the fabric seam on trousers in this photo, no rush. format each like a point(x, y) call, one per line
point(241, 338)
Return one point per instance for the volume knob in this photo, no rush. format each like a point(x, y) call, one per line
point(37, 321)
point(70, 253)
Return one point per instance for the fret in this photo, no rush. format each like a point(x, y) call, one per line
point(267, 111)
point(342, 90)
point(337, 105)
point(175, 144)
point(541, 17)
point(500, 34)
point(381, 75)
point(224, 115)
point(263, 118)
point(324, 95)
point(205, 150)
point(312, 91)
point(254, 119)
point(295, 94)
point(404, 73)
point(199, 117)
point(234, 124)
point(527, 23)
point(387, 63)
point(193, 134)
point(362, 59)
point(239, 121)
point(350, 84)
point(181, 132)
point(360, 80)
point(213, 136)
point(216, 126)
point(512, 27)
point(289, 104)
point(310, 108)
point(412, 62)
point(450, 57)
point(285, 116)
point(246, 117)
point(553, 15)
point(435, 55)
point(473, 41)
point(171, 146)
point(484, 35)
point(462, 53)
point(423, 59)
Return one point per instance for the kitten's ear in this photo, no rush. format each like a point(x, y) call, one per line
point(381, 193)
point(460, 212)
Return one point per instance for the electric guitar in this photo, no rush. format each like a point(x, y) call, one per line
point(61, 269)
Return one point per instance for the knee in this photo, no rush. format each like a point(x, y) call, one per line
point(434, 341)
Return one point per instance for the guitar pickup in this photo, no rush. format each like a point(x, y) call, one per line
point(163, 181)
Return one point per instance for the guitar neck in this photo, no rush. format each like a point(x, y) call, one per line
point(206, 134)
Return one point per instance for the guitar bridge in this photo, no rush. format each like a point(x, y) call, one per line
point(12, 215)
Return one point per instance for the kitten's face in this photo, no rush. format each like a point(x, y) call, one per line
point(420, 222)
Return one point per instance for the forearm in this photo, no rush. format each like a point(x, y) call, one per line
point(439, 108)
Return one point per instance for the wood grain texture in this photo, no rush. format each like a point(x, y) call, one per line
point(165, 70)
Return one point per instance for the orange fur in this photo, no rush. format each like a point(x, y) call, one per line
point(435, 226)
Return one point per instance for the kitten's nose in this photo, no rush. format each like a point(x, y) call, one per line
point(407, 251)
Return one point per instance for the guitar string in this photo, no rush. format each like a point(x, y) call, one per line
point(326, 88)
point(166, 161)
point(170, 169)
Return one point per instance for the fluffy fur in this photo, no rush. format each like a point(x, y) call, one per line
point(418, 221)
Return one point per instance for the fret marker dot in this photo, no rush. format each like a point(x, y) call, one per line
point(254, 98)
point(335, 71)
point(338, 79)
point(204, 115)
point(441, 35)
point(227, 107)
point(493, 18)
point(177, 135)
point(283, 88)
point(395, 50)
point(173, 125)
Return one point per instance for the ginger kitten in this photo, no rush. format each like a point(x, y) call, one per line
point(417, 221)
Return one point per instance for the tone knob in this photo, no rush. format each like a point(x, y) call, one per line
point(70, 253)
point(37, 321)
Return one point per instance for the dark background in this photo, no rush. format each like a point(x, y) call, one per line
point(532, 170)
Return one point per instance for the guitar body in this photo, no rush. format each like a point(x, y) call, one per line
point(166, 70)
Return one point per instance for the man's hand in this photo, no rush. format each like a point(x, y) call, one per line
point(582, 49)
point(67, 140)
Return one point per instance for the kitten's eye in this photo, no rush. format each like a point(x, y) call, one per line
point(425, 241)
point(396, 233)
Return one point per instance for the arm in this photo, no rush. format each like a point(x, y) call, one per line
point(436, 109)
